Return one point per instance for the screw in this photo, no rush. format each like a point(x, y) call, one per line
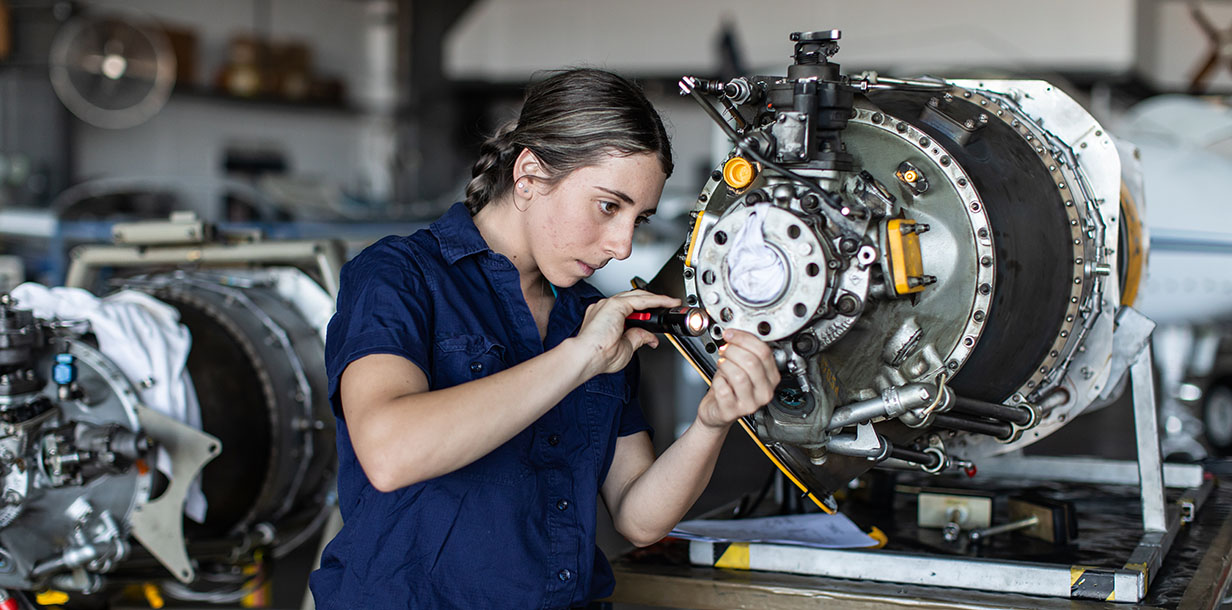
point(847, 304)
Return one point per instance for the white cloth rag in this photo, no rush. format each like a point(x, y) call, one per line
point(144, 338)
point(756, 272)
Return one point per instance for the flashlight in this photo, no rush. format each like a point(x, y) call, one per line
point(688, 321)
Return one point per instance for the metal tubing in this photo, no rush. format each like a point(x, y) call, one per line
point(928, 460)
point(1017, 415)
point(953, 422)
point(850, 445)
point(857, 412)
point(980, 534)
point(893, 402)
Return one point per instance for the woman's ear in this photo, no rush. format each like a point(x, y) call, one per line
point(526, 170)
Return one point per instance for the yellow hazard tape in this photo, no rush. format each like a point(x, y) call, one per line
point(1087, 582)
point(735, 557)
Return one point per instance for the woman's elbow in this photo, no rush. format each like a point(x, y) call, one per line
point(386, 475)
point(381, 477)
point(641, 536)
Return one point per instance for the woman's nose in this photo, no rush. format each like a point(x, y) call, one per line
point(620, 241)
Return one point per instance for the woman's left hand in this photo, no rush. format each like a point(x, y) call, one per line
point(745, 380)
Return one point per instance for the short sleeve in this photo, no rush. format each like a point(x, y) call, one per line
point(632, 420)
point(384, 307)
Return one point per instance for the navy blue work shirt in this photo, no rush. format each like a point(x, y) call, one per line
point(514, 529)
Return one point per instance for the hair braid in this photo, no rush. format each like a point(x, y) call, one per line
point(491, 172)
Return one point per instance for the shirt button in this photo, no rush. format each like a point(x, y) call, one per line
point(554, 440)
point(476, 367)
point(564, 574)
point(562, 505)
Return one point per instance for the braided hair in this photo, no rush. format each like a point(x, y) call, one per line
point(570, 120)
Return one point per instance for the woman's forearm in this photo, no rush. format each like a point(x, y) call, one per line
point(418, 436)
point(657, 500)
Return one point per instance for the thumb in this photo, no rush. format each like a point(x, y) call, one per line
point(638, 337)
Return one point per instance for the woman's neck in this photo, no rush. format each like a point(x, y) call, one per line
point(501, 226)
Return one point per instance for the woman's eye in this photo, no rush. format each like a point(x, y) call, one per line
point(607, 207)
point(641, 220)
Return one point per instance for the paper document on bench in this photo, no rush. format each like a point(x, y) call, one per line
point(817, 530)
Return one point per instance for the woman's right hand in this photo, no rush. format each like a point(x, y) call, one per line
point(608, 343)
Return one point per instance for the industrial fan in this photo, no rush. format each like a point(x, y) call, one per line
point(113, 71)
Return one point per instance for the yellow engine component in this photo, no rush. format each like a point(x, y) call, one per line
point(906, 263)
point(51, 597)
point(697, 227)
point(738, 172)
point(153, 596)
point(1136, 243)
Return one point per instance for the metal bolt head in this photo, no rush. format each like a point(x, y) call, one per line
point(951, 532)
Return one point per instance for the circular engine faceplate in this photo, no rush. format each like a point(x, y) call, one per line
point(796, 295)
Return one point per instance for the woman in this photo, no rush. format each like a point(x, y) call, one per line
point(486, 395)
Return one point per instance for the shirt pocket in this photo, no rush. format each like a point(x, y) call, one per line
point(462, 358)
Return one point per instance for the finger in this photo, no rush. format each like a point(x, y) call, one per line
point(757, 352)
point(741, 386)
point(724, 395)
point(640, 299)
point(748, 341)
point(754, 368)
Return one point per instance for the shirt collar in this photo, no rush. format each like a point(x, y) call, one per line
point(457, 234)
point(459, 238)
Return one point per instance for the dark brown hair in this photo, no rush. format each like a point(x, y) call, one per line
point(569, 120)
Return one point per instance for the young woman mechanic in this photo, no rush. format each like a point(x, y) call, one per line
point(486, 395)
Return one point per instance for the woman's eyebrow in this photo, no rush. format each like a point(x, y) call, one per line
point(617, 194)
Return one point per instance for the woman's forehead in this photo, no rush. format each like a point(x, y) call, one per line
point(632, 179)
